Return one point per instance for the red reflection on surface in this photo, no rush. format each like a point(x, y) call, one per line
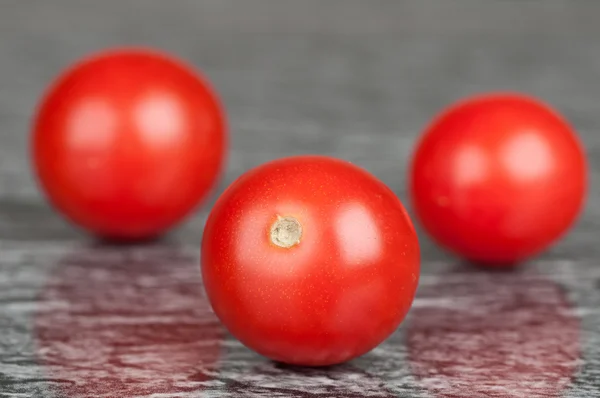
point(127, 322)
point(493, 335)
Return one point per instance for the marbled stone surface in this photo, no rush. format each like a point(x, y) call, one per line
point(349, 78)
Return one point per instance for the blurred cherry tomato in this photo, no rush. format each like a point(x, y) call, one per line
point(497, 178)
point(310, 260)
point(127, 142)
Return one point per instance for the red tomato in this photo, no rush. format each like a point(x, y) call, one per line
point(498, 178)
point(310, 260)
point(127, 142)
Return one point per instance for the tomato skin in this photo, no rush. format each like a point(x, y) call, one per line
point(127, 142)
point(498, 178)
point(333, 296)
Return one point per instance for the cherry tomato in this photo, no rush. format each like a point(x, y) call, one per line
point(310, 260)
point(127, 142)
point(497, 178)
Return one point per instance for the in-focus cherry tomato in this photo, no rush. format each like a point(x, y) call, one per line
point(497, 178)
point(127, 142)
point(310, 260)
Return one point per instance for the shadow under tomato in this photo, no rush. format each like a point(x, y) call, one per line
point(120, 322)
point(108, 242)
point(271, 378)
point(493, 333)
point(474, 266)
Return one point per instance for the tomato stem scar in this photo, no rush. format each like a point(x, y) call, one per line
point(286, 232)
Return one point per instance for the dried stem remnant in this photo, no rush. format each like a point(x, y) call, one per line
point(286, 232)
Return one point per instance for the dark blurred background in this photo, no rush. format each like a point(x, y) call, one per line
point(349, 78)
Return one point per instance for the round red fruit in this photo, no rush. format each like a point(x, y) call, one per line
point(310, 260)
point(498, 178)
point(127, 142)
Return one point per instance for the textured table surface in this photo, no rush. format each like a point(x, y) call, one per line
point(348, 78)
